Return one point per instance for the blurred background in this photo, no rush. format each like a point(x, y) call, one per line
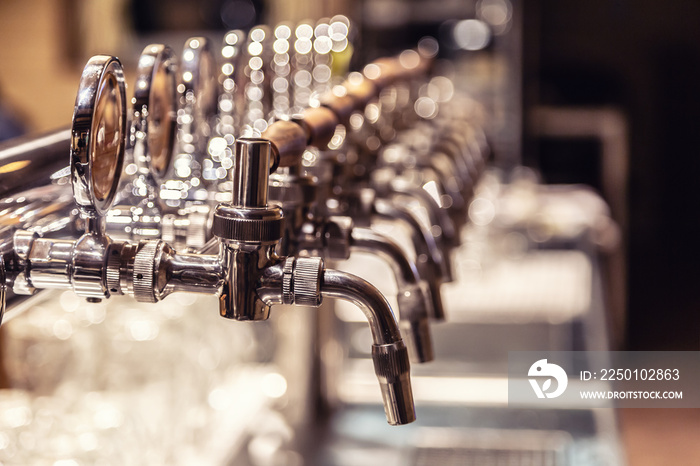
point(638, 59)
point(602, 92)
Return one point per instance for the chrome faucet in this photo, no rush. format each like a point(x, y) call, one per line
point(151, 141)
point(247, 274)
point(335, 237)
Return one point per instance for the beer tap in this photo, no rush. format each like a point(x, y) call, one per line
point(382, 75)
point(361, 203)
point(334, 237)
point(189, 193)
point(247, 274)
point(98, 139)
point(151, 142)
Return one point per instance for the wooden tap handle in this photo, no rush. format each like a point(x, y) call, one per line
point(288, 142)
point(320, 124)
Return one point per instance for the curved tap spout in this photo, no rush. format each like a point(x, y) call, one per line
point(413, 296)
point(448, 235)
point(305, 281)
point(389, 353)
point(432, 267)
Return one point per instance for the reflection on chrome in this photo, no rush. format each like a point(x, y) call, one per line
point(260, 180)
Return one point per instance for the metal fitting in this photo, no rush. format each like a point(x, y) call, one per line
point(22, 244)
point(249, 230)
point(301, 281)
point(337, 233)
point(393, 372)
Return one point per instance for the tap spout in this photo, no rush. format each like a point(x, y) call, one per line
point(432, 265)
point(413, 296)
point(305, 281)
point(390, 356)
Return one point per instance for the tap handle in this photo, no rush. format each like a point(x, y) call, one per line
point(388, 70)
point(301, 281)
point(98, 137)
point(289, 140)
point(315, 127)
point(155, 110)
point(361, 88)
point(319, 124)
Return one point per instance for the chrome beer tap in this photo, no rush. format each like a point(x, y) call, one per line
point(333, 237)
point(247, 274)
point(382, 75)
point(151, 141)
point(189, 192)
point(250, 276)
point(361, 203)
point(306, 230)
point(98, 138)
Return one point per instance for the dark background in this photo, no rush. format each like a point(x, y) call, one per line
point(644, 57)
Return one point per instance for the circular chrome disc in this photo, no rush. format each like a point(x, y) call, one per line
point(155, 100)
point(98, 134)
point(199, 78)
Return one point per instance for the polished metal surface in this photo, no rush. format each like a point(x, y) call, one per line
point(22, 242)
point(206, 215)
point(249, 230)
point(88, 266)
point(414, 301)
point(301, 282)
point(252, 161)
point(190, 273)
point(152, 270)
point(155, 110)
point(367, 240)
point(434, 266)
point(243, 265)
point(28, 162)
point(393, 371)
point(338, 284)
point(144, 271)
point(98, 134)
point(51, 261)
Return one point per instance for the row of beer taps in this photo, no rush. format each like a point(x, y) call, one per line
point(243, 179)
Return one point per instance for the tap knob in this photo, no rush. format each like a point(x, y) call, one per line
point(152, 141)
point(98, 135)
